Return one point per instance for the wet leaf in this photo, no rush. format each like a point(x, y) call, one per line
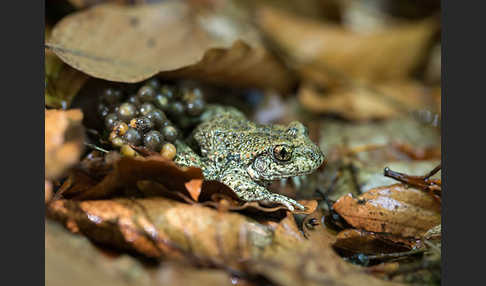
point(333, 53)
point(166, 37)
point(394, 209)
point(64, 136)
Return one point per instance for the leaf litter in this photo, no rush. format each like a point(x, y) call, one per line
point(149, 208)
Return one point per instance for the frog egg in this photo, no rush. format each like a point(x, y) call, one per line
point(146, 93)
point(168, 151)
point(132, 136)
point(170, 133)
point(126, 112)
point(153, 140)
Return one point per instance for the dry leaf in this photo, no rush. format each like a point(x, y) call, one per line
point(337, 53)
point(133, 43)
point(127, 171)
point(68, 259)
point(221, 197)
point(353, 241)
point(157, 227)
point(395, 209)
point(194, 188)
point(64, 137)
point(359, 103)
point(293, 260)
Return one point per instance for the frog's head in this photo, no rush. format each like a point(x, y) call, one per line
point(289, 154)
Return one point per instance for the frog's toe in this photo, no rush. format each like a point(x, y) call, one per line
point(287, 202)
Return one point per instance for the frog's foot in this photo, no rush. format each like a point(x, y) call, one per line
point(286, 201)
point(248, 190)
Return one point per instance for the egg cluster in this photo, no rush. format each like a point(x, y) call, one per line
point(144, 117)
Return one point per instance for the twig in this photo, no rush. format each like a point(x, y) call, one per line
point(92, 146)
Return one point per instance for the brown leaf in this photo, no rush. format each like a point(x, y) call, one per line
point(394, 209)
point(48, 191)
point(68, 259)
point(194, 188)
point(353, 241)
point(359, 103)
point(293, 260)
point(127, 171)
point(221, 197)
point(133, 43)
point(157, 227)
point(336, 53)
point(64, 137)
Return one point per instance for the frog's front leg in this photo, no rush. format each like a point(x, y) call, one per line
point(186, 157)
point(248, 190)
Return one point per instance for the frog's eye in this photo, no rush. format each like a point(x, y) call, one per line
point(296, 128)
point(282, 152)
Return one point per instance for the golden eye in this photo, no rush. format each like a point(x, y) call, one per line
point(282, 152)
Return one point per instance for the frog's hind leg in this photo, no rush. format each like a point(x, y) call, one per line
point(186, 157)
point(248, 190)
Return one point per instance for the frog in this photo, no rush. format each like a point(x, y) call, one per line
point(247, 156)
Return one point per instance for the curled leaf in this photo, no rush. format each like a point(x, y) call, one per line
point(395, 209)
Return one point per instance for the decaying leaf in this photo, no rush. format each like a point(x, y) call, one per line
point(335, 53)
point(64, 136)
point(133, 43)
point(395, 209)
point(360, 103)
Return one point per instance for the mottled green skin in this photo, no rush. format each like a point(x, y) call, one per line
point(239, 153)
